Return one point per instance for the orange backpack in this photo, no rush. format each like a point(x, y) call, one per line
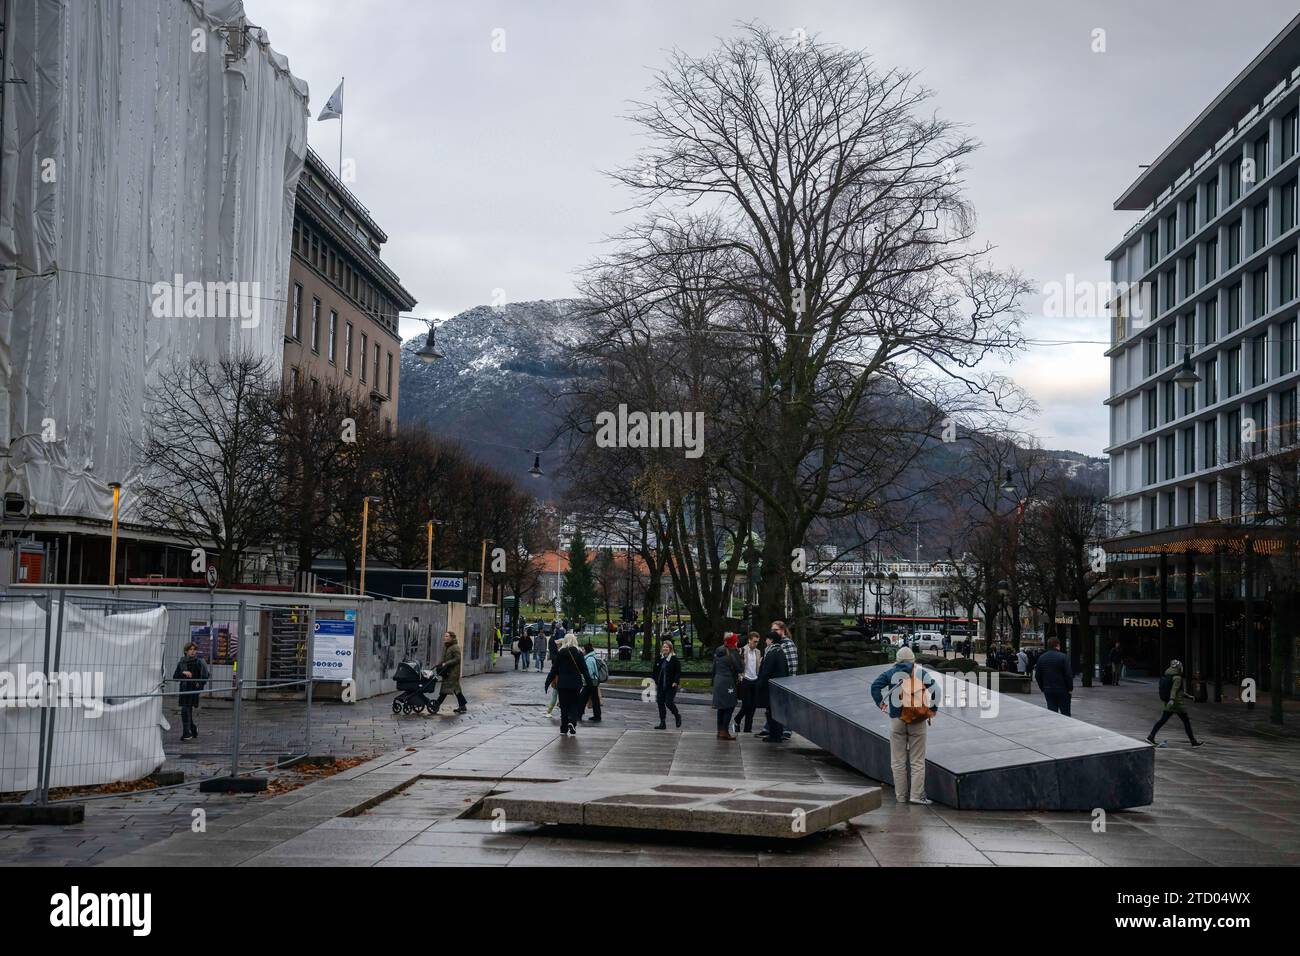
point(913, 698)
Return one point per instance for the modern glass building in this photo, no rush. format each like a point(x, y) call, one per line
point(1203, 385)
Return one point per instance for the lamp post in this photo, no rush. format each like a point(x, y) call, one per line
point(428, 561)
point(365, 531)
point(878, 581)
point(943, 610)
point(112, 547)
point(482, 571)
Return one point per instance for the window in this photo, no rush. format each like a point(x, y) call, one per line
point(1286, 214)
point(1171, 353)
point(1168, 387)
point(363, 356)
point(347, 347)
point(1234, 243)
point(1149, 460)
point(1153, 248)
point(1151, 354)
point(1258, 292)
point(1258, 360)
point(1189, 219)
point(1167, 290)
point(1234, 181)
point(1189, 275)
point(1189, 450)
point(1233, 360)
point(389, 390)
point(1286, 281)
point(1286, 356)
point(1149, 512)
point(1211, 198)
point(1167, 455)
point(293, 378)
point(1209, 322)
point(1289, 133)
point(1209, 372)
point(1170, 498)
point(1234, 496)
point(1260, 154)
point(295, 313)
point(1211, 259)
point(333, 333)
point(315, 325)
point(1171, 234)
point(1259, 227)
point(1212, 499)
point(1287, 416)
point(1209, 443)
point(1234, 435)
point(1234, 307)
point(1189, 399)
point(375, 383)
point(1149, 404)
point(1259, 416)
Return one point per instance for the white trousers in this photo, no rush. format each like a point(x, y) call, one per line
point(907, 747)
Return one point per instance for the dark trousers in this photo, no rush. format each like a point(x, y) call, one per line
point(774, 729)
point(724, 716)
point(746, 705)
point(187, 720)
point(570, 707)
point(1058, 701)
point(667, 702)
point(1187, 724)
point(460, 700)
point(516, 653)
point(591, 696)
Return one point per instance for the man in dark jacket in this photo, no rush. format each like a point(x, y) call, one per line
point(526, 649)
point(668, 680)
point(1054, 678)
point(775, 664)
point(192, 672)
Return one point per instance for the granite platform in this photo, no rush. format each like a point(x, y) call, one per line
point(767, 808)
point(985, 750)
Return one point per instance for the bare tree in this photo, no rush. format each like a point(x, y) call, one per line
point(211, 456)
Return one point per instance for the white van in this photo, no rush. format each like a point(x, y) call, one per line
point(927, 641)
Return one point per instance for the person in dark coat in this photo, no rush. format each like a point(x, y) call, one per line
point(526, 648)
point(192, 672)
point(571, 680)
point(449, 671)
point(1054, 677)
point(726, 675)
point(1115, 662)
point(774, 665)
point(668, 680)
point(1175, 705)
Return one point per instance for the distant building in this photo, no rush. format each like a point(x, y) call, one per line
point(341, 327)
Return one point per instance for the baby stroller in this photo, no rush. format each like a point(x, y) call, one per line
point(416, 687)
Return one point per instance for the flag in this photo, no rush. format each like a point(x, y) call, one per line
point(333, 106)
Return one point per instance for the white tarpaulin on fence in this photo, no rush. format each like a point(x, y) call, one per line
point(140, 140)
point(124, 740)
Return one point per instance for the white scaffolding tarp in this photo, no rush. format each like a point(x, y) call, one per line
point(119, 740)
point(149, 139)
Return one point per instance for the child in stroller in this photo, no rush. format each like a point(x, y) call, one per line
point(415, 686)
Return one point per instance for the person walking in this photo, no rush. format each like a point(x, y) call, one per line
point(750, 659)
point(775, 664)
point(912, 705)
point(592, 693)
point(449, 673)
point(515, 652)
point(525, 648)
point(192, 672)
point(947, 643)
point(1052, 671)
point(726, 674)
point(668, 680)
point(1022, 661)
point(570, 679)
point(1171, 692)
point(539, 646)
point(1116, 663)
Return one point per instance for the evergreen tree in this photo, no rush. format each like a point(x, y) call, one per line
point(578, 589)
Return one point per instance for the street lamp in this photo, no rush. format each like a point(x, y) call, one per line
point(365, 529)
point(1008, 486)
point(943, 610)
point(1004, 590)
point(878, 581)
point(1186, 375)
point(536, 470)
point(112, 554)
point(427, 353)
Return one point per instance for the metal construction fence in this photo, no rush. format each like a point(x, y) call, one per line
point(94, 692)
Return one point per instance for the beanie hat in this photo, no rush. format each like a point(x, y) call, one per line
point(729, 640)
point(905, 654)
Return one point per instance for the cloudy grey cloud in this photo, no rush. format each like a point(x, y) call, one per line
point(485, 167)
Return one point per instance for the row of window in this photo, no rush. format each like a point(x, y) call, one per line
point(1162, 510)
point(313, 247)
point(1242, 437)
point(332, 340)
point(1244, 173)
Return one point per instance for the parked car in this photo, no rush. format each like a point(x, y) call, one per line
point(927, 641)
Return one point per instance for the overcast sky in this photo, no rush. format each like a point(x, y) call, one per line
point(486, 168)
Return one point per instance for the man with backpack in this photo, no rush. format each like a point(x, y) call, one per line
point(598, 669)
point(1171, 692)
point(913, 702)
point(192, 672)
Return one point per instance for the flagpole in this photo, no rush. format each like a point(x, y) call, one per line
point(341, 81)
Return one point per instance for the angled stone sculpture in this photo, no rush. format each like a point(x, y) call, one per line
point(985, 751)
